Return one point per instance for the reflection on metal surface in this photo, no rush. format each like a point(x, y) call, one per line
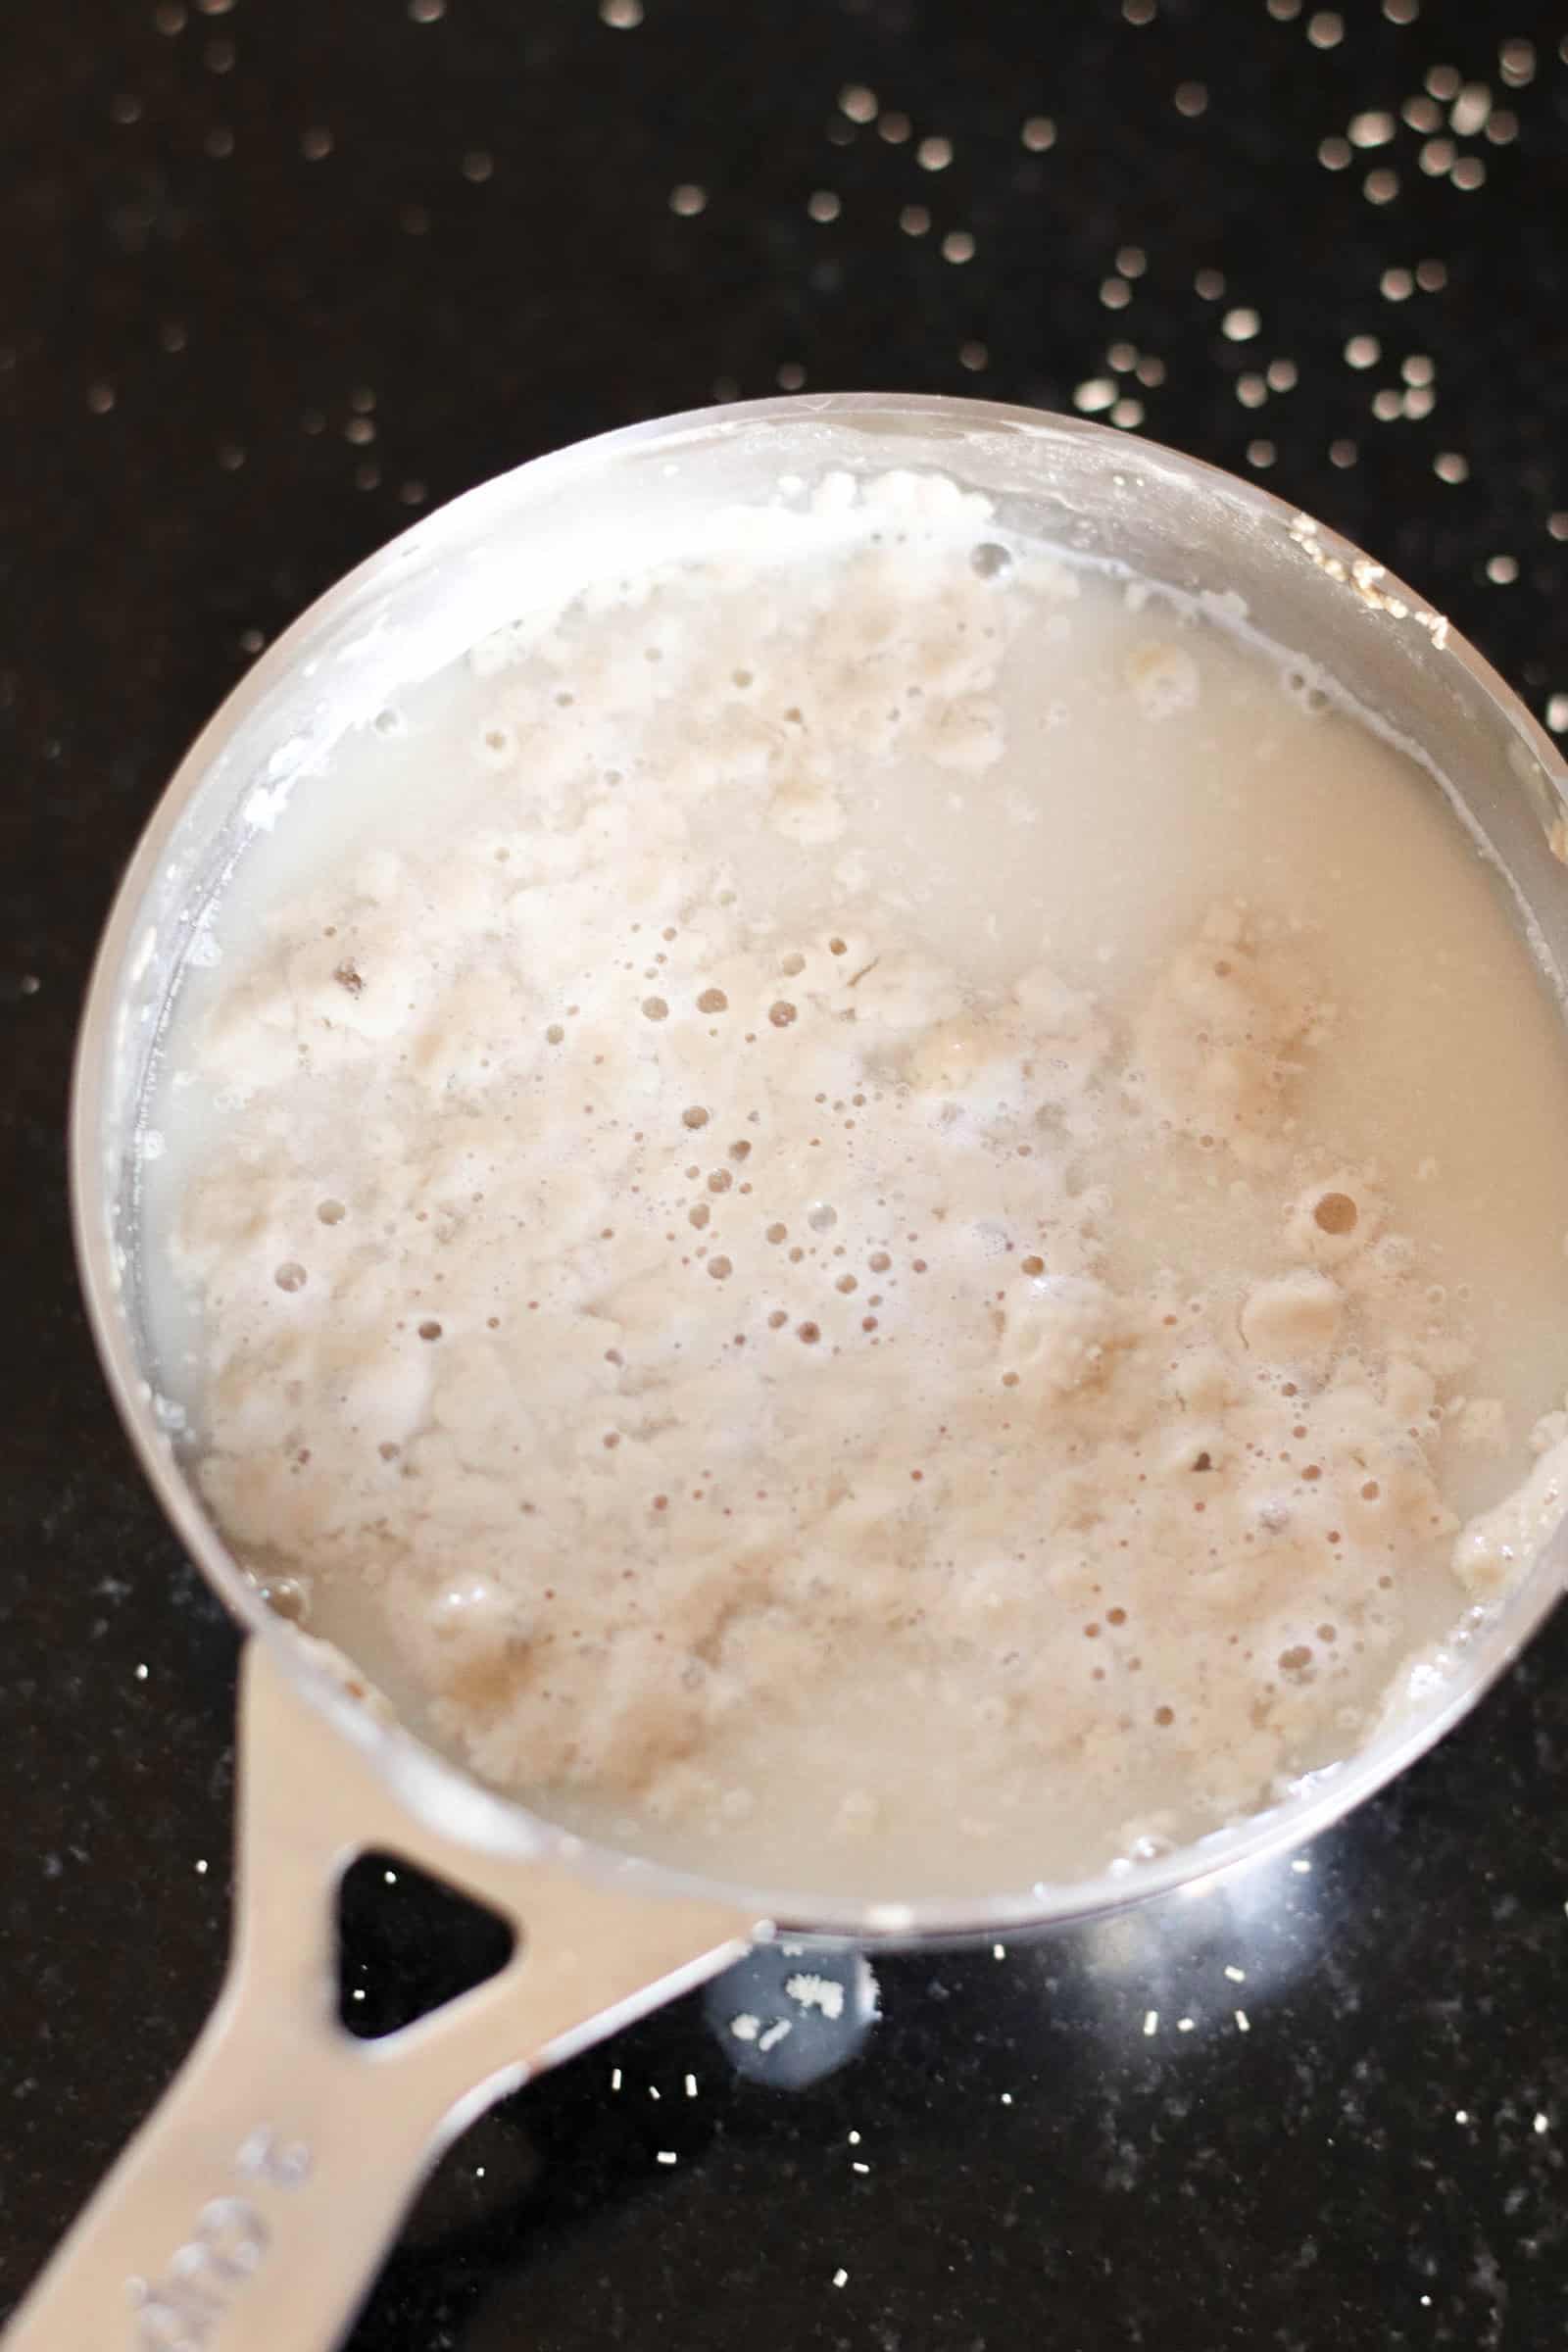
point(1182, 1954)
point(789, 2015)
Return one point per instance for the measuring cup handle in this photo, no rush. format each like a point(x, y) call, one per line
point(251, 2211)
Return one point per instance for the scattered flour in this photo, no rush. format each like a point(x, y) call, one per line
point(818, 1993)
point(779, 1366)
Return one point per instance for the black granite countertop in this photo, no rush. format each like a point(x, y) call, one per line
point(277, 276)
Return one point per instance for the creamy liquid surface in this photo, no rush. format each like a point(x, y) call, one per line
point(875, 1214)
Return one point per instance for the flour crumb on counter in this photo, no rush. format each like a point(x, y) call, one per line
point(825, 1993)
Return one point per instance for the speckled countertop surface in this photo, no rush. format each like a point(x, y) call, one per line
point(275, 276)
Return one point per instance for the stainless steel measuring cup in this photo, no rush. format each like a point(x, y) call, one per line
point(251, 2211)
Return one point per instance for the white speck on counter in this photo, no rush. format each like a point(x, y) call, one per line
point(1185, 2025)
point(667, 2156)
point(141, 1674)
point(201, 1870)
point(1237, 1975)
point(841, 2277)
point(691, 2087)
point(818, 1993)
point(1243, 2024)
point(1516, 62)
point(776, 2034)
point(999, 1951)
point(1301, 1866)
point(1461, 2115)
point(1096, 393)
point(859, 2166)
point(614, 2078)
point(1151, 2022)
point(1006, 2099)
point(653, 2090)
point(854, 2139)
point(1542, 2125)
point(745, 2026)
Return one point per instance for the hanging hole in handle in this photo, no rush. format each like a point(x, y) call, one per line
point(408, 1944)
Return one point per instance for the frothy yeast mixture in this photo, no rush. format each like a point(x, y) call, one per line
point(871, 1212)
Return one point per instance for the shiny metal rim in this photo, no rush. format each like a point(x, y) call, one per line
point(437, 1791)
